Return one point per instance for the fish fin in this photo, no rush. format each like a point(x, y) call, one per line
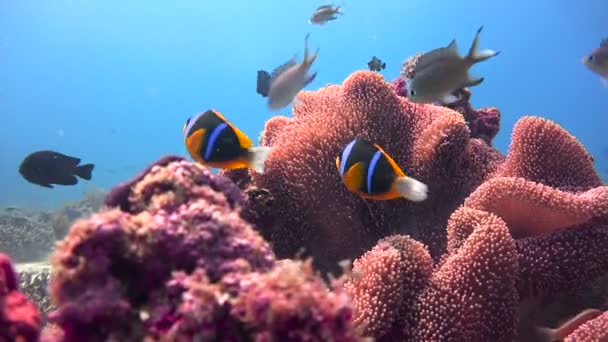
point(263, 83)
point(391, 162)
point(337, 10)
point(411, 189)
point(353, 178)
point(194, 144)
point(67, 180)
point(243, 139)
point(308, 60)
point(281, 68)
point(309, 79)
point(73, 161)
point(383, 65)
point(435, 56)
point(471, 82)
point(323, 7)
point(256, 156)
point(478, 56)
point(453, 46)
point(46, 186)
point(604, 43)
point(448, 98)
point(85, 171)
point(338, 163)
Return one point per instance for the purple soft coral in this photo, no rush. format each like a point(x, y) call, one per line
point(172, 264)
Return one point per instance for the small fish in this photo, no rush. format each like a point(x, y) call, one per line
point(597, 61)
point(288, 79)
point(440, 72)
point(263, 83)
point(375, 64)
point(323, 14)
point(48, 167)
point(213, 141)
point(372, 174)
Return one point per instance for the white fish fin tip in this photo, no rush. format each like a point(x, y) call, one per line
point(411, 189)
point(257, 157)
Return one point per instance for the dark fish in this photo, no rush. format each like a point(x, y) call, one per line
point(263, 86)
point(372, 174)
point(213, 141)
point(375, 64)
point(48, 167)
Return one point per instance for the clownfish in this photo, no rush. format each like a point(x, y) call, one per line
point(213, 141)
point(372, 174)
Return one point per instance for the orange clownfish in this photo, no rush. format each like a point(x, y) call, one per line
point(213, 141)
point(372, 174)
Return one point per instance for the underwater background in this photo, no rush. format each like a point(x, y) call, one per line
point(112, 82)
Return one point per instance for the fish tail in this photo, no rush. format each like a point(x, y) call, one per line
point(383, 65)
point(256, 156)
point(478, 56)
point(411, 189)
point(337, 10)
point(85, 171)
point(308, 60)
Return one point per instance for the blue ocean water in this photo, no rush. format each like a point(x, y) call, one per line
point(112, 82)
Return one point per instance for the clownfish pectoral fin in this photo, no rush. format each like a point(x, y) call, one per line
point(353, 178)
point(194, 144)
point(411, 189)
point(256, 156)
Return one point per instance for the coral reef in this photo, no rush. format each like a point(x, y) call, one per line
point(545, 196)
point(24, 235)
point(504, 247)
point(19, 319)
point(312, 209)
point(63, 217)
point(179, 263)
point(33, 282)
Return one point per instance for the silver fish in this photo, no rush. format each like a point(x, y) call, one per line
point(288, 79)
point(440, 72)
point(597, 61)
point(323, 14)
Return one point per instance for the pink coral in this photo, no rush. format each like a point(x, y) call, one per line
point(19, 318)
point(471, 296)
point(595, 329)
point(311, 207)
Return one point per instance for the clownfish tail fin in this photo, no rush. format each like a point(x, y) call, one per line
point(256, 156)
point(411, 189)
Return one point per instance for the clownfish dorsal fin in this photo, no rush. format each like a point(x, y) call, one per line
point(392, 163)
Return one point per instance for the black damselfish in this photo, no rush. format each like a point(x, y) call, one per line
point(49, 167)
